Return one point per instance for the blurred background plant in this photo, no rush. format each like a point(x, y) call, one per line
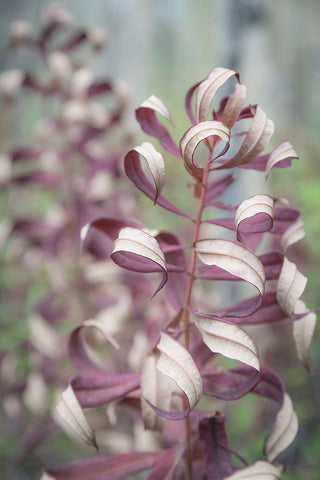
point(157, 47)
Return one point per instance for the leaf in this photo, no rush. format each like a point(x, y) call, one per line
point(113, 467)
point(72, 419)
point(254, 215)
point(233, 106)
point(207, 90)
point(229, 340)
point(303, 330)
point(258, 471)
point(193, 136)
point(176, 362)
point(217, 187)
point(283, 432)
point(233, 258)
point(239, 381)
point(154, 161)
point(165, 467)
point(281, 156)
point(138, 251)
point(145, 115)
point(293, 234)
point(214, 447)
point(156, 388)
point(291, 285)
point(257, 138)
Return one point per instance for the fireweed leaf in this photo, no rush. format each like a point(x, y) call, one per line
point(193, 136)
point(258, 471)
point(231, 384)
point(145, 115)
point(257, 138)
point(156, 387)
point(233, 106)
point(229, 340)
point(176, 362)
point(113, 467)
point(154, 161)
point(303, 332)
point(254, 215)
point(292, 235)
point(72, 418)
point(284, 431)
point(280, 156)
point(233, 258)
point(138, 251)
point(208, 89)
point(214, 447)
point(291, 285)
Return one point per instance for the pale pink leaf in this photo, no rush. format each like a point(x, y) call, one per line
point(291, 285)
point(156, 388)
point(193, 136)
point(176, 362)
point(282, 153)
point(303, 330)
point(257, 138)
point(258, 471)
point(293, 234)
point(155, 164)
point(259, 207)
point(233, 106)
point(234, 259)
point(72, 419)
point(208, 89)
point(229, 340)
point(157, 105)
point(284, 430)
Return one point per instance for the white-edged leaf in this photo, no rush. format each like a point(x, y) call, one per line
point(155, 163)
point(253, 206)
point(208, 89)
point(283, 151)
point(302, 331)
point(157, 388)
point(156, 104)
point(194, 135)
point(71, 418)
point(229, 340)
point(176, 362)
point(102, 327)
point(284, 430)
point(293, 234)
point(291, 285)
point(233, 258)
point(258, 471)
point(233, 106)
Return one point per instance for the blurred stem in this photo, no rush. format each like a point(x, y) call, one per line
point(187, 301)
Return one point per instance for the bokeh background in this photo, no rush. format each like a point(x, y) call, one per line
point(162, 47)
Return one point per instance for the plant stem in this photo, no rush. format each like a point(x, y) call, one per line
point(185, 312)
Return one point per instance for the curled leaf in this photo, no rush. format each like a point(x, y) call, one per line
point(138, 251)
point(293, 234)
point(208, 89)
point(193, 136)
point(234, 259)
point(72, 418)
point(233, 106)
point(155, 163)
point(284, 430)
point(291, 285)
point(257, 138)
point(303, 332)
point(229, 340)
point(258, 471)
point(254, 215)
point(157, 105)
point(280, 156)
point(176, 362)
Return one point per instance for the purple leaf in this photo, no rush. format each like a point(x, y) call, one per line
point(240, 380)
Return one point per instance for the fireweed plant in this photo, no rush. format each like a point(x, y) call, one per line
point(73, 166)
point(171, 391)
